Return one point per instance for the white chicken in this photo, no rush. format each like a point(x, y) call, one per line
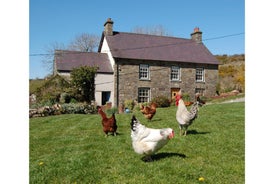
point(184, 117)
point(147, 141)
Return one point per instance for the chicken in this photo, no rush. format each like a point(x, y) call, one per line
point(148, 111)
point(184, 117)
point(109, 124)
point(147, 141)
point(197, 96)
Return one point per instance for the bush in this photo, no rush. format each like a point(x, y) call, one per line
point(73, 108)
point(65, 98)
point(161, 101)
point(129, 104)
point(186, 97)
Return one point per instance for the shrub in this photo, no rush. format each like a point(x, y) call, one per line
point(78, 108)
point(129, 104)
point(65, 98)
point(186, 97)
point(161, 101)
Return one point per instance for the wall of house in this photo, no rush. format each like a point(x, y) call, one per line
point(160, 84)
point(104, 83)
point(105, 49)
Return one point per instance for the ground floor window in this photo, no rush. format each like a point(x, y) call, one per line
point(200, 91)
point(143, 95)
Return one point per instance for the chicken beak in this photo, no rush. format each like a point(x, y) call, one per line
point(171, 135)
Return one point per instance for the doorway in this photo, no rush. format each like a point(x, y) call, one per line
point(174, 91)
point(105, 97)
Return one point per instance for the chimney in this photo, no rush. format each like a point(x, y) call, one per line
point(196, 35)
point(108, 27)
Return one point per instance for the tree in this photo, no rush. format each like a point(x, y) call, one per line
point(83, 78)
point(48, 58)
point(84, 42)
point(158, 30)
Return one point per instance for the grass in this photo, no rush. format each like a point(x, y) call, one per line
point(73, 149)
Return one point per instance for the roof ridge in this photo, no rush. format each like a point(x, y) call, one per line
point(145, 34)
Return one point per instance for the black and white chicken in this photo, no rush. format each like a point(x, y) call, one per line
point(184, 117)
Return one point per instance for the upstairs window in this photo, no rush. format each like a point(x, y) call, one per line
point(199, 75)
point(143, 95)
point(175, 73)
point(144, 72)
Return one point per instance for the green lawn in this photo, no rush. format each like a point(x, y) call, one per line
point(73, 149)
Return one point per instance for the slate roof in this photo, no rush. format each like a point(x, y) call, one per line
point(67, 60)
point(163, 48)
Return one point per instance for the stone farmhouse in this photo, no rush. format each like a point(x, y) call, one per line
point(141, 67)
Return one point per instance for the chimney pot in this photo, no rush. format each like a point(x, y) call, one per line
point(196, 35)
point(108, 27)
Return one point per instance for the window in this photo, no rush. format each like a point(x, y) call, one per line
point(144, 72)
point(200, 90)
point(175, 73)
point(199, 74)
point(143, 95)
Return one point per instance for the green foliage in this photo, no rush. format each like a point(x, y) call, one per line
point(50, 89)
point(83, 78)
point(73, 149)
point(112, 110)
point(161, 101)
point(78, 108)
point(130, 104)
point(65, 98)
point(186, 97)
point(231, 73)
point(34, 84)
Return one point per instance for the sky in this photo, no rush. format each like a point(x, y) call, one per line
point(52, 21)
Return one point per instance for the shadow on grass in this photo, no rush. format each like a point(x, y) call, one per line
point(112, 135)
point(160, 156)
point(195, 132)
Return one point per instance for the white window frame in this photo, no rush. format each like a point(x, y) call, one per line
point(175, 71)
point(200, 90)
point(143, 93)
point(144, 72)
point(200, 75)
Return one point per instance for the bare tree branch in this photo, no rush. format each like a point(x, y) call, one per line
point(84, 42)
point(48, 59)
point(158, 30)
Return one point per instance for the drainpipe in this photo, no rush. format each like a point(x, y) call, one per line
point(117, 85)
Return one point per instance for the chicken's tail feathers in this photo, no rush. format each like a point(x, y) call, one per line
point(133, 123)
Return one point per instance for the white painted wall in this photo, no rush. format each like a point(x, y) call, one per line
point(106, 49)
point(104, 82)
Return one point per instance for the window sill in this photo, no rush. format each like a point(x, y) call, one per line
point(203, 82)
point(144, 79)
point(175, 80)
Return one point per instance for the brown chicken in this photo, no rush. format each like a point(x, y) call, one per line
point(109, 124)
point(148, 111)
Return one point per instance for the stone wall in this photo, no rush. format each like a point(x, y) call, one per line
point(160, 83)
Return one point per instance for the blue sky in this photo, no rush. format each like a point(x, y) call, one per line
point(60, 21)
